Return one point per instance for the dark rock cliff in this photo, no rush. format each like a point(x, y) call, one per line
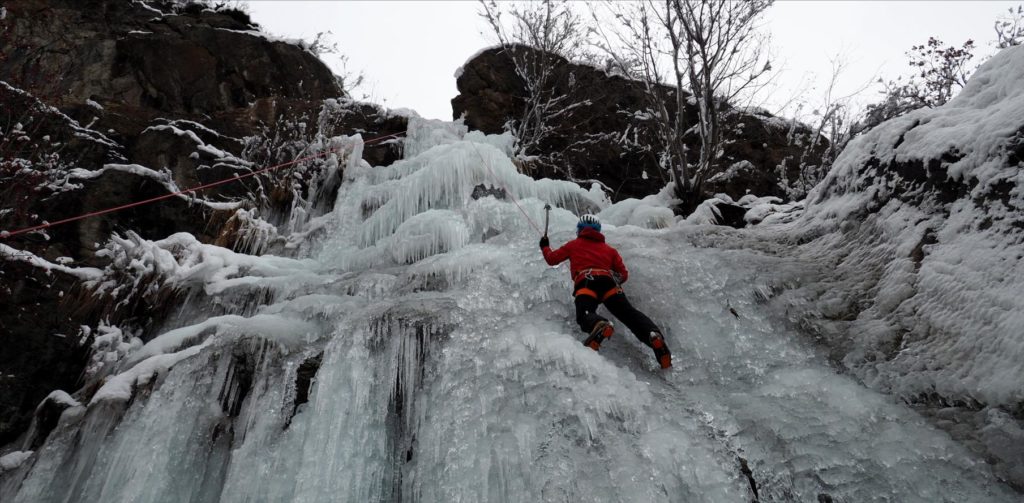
point(608, 136)
point(133, 55)
point(134, 98)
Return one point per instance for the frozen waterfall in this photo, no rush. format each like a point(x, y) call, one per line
point(421, 350)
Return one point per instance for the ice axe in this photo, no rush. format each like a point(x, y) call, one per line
point(547, 215)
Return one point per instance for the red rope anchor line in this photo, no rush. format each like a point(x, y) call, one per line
point(47, 225)
point(507, 192)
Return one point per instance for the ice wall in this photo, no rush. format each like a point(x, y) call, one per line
point(424, 352)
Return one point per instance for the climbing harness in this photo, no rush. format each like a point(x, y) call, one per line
point(591, 273)
point(590, 293)
point(47, 225)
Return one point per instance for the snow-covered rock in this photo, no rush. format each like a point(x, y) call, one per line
point(12, 460)
point(937, 197)
point(603, 129)
point(919, 230)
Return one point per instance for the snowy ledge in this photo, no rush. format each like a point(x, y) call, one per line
point(82, 273)
point(13, 460)
point(78, 130)
point(135, 169)
point(163, 178)
point(165, 351)
point(121, 386)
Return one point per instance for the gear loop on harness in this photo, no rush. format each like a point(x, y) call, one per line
point(590, 292)
point(591, 272)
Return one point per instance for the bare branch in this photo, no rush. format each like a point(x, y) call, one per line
point(1010, 28)
point(539, 38)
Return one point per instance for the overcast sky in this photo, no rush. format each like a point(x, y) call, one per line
point(409, 51)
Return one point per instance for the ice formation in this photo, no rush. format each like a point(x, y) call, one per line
point(421, 350)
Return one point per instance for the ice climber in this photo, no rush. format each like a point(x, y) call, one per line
point(597, 271)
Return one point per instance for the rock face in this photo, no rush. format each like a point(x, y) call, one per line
point(114, 102)
point(608, 135)
point(192, 61)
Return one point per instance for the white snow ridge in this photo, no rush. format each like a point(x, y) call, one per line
point(421, 350)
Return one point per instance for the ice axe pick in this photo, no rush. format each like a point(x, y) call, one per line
point(547, 214)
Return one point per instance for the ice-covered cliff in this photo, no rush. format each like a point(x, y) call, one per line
point(422, 351)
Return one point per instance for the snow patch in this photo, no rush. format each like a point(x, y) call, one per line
point(121, 386)
point(940, 272)
point(82, 273)
point(62, 398)
point(735, 170)
point(181, 261)
point(270, 327)
point(13, 460)
point(161, 177)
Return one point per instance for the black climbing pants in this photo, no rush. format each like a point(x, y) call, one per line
point(591, 292)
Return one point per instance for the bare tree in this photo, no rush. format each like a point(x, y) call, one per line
point(324, 45)
point(538, 38)
point(1010, 28)
point(635, 47)
point(940, 72)
point(712, 48)
point(724, 58)
point(833, 125)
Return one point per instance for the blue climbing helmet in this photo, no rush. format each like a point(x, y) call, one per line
point(588, 221)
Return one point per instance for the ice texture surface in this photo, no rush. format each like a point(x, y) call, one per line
point(446, 366)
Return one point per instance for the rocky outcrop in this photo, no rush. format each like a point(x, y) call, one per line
point(113, 102)
point(136, 55)
point(608, 137)
point(49, 356)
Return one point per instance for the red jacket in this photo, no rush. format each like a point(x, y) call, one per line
point(588, 251)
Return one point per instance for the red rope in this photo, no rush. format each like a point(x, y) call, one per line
point(181, 192)
point(508, 192)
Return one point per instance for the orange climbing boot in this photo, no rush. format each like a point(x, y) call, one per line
point(601, 331)
point(661, 352)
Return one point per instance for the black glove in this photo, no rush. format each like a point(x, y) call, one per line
point(544, 242)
